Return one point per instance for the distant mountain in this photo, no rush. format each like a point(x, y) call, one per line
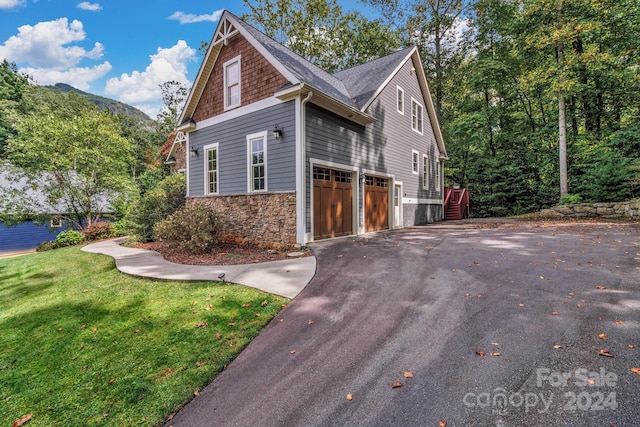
point(112, 105)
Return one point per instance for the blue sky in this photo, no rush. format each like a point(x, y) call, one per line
point(120, 49)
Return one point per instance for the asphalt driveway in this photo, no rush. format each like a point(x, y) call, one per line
point(499, 324)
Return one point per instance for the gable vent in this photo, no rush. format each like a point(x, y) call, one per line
point(225, 31)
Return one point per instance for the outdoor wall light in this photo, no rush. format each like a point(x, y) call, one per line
point(194, 152)
point(277, 132)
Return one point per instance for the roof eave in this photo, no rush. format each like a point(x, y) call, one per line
point(327, 102)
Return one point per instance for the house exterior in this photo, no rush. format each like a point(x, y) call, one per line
point(290, 154)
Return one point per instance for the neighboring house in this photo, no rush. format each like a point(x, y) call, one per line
point(289, 153)
point(27, 235)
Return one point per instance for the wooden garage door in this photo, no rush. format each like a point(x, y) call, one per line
point(332, 203)
point(376, 203)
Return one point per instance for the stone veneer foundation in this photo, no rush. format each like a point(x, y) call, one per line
point(630, 209)
point(266, 220)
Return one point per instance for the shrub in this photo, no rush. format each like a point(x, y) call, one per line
point(570, 199)
point(196, 229)
point(68, 238)
point(98, 230)
point(155, 205)
point(46, 246)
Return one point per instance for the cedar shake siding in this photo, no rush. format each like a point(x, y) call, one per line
point(259, 79)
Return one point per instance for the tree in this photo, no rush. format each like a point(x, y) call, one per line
point(319, 31)
point(78, 162)
point(12, 88)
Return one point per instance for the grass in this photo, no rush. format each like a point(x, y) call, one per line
point(83, 344)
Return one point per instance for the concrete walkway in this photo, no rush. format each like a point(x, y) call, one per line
point(286, 278)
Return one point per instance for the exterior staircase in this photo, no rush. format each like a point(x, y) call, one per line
point(456, 204)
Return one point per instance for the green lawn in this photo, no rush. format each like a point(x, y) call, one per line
point(83, 344)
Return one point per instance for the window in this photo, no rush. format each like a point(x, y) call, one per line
point(425, 171)
point(257, 162)
point(415, 156)
point(400, 101)
point(211, 169)
point(416, 116)
point(232, 83)
point(438, 176)
point(55, 222)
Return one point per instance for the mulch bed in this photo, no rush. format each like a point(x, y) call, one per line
point(225, 254)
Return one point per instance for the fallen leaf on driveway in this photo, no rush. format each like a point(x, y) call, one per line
point(21, 421)
point(480, 353)
point(520, 305)
point(600, 287)
point(605, 352)
point(408, 374)
point(495, 353)
point(555, 313)
point(349, 396)
point(442, 423)
point(293, 352)
point(557, 346)
point(635, 370)
point(619, 322)
point(310, 322)
point(631, 346)
point(602, 336)
point(396, 384)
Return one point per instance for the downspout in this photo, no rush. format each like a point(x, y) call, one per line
point(302, 230)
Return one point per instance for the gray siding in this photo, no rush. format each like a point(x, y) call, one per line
point(231, 136)
point(384, 147)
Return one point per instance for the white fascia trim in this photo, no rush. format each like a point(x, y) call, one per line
point(238, 112)
point(188, 157)
point(412, 201)
point(251, 137)
point(206, 170)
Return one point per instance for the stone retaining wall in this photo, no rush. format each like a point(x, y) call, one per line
point(266, 220)
point(630, 209)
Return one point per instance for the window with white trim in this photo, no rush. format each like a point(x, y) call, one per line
point(232, 83)
point(438, 179)
point(416, 116)
point(415, 162)
point(257, 162)
point(400, 100)
point(211, 168)
point(425, 171)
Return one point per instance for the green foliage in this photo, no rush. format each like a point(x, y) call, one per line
point(46, 246)
point(321, 32)
point(155, 205)
point(195, 228)
point(570, 199)
point(72, 154)
point(69, 238)
point(98, 230)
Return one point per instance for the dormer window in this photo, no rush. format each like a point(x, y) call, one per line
point(232, 83)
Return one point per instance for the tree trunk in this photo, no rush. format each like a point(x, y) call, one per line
point(562, 121)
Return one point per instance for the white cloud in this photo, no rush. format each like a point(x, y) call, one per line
point(189, 18)
point(79, 77)
point(85, 5)
point(10, 4)
point(142, 89)
point(49, 45)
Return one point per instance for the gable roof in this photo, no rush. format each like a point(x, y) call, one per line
point(347, 93)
